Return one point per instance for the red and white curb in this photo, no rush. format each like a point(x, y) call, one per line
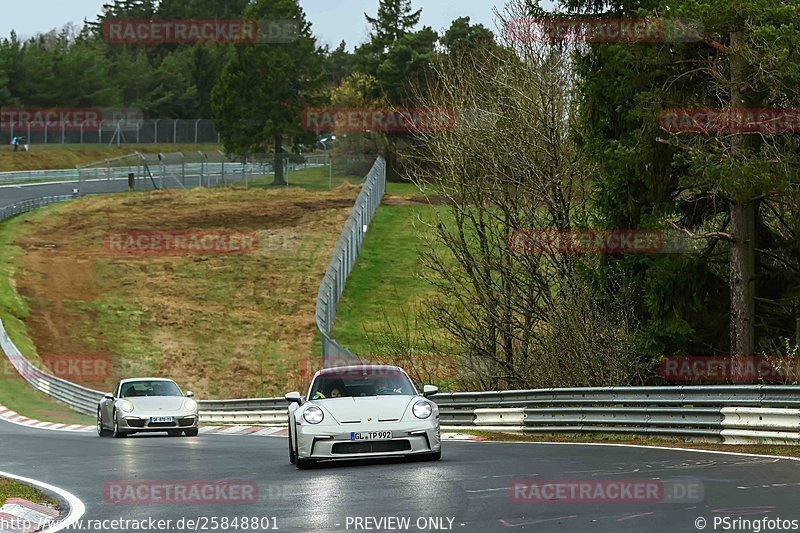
point(21, 516)
point(15, 418)
point(18, 515)
point(259, 431)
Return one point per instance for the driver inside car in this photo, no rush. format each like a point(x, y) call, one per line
point(386, 386)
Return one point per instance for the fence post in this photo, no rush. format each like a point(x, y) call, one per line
point(155, 134)
point(196, 126)
point(203, 159)
point(162, 169)
point(175, 131)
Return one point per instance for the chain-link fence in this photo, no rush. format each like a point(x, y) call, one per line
point(172, 170)
point(343, 260)
point(107, 132)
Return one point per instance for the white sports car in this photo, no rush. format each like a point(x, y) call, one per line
point(147, 405)
point(361, 412)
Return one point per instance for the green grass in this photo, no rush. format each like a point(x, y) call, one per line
point(385, 281)
point(15, 393)
point(14, 489)
point(311, 179)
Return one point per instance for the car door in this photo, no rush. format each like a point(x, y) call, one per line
point(107, 406)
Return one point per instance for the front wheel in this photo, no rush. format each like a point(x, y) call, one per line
point(117, 433)
point(292, 453)
point(101, 431)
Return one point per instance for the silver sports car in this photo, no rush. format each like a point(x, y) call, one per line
point(147, 405)
point(362, 411)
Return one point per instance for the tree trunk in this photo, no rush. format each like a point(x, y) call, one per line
point(742, 274)
point(742, 260)
point(278, 161)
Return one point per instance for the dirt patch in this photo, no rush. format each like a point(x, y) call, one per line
point(393, 199)
point(223, 325)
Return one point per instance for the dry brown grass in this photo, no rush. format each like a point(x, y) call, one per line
point(223, 326)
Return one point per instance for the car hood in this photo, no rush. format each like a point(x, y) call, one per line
point(158, 403)
point(361, 409)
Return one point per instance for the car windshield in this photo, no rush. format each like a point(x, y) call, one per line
point(349, 384)
point(136, 389)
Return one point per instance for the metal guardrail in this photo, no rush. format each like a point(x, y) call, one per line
point(23, 206)
point(344, 257)
point(734, 414)
point(728, 413)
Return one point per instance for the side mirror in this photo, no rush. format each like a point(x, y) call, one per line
point(293, 397)
point(189, 394)
point(108, 396)
point(429, 390)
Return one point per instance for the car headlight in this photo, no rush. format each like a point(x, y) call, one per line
point(190, 405)
point(422, 409)
point(313, 415)
point(126, 406)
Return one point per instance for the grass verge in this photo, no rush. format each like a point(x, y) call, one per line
point(385, 281)
point(10, 488)
point(15, 393)
point(222, 325)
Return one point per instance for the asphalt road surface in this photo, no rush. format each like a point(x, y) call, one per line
point(468, 490)
point(14, 193)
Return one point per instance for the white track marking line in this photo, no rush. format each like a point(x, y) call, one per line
point(741, 454)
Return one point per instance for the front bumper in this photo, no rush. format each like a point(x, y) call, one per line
point(334, 442)
point(141, 423)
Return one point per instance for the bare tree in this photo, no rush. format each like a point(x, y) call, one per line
point(508, 164)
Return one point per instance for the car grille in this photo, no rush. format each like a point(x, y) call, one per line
point(186, 422)
point(377, 446)
point(135, 423)
point(161, 425)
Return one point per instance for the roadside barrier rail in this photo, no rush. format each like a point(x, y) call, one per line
point(344, 257)
point(734, 414)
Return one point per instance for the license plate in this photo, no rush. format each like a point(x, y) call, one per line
point(161, 419)
point(370, 435)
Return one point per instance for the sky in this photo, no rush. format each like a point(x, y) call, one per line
point(332, 20)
